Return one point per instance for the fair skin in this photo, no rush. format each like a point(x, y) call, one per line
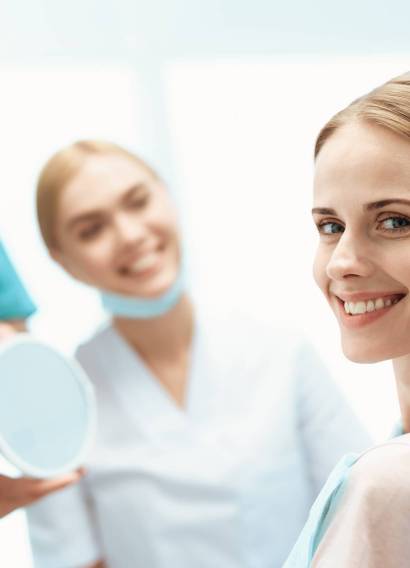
point(9, 328)
point(116, 229)
point(362, 211)
point(22, 491)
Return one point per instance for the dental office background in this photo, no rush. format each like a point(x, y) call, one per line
point(224, 98)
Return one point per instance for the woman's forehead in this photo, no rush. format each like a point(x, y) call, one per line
point(100, 179)
point(358, 157)
point(108, 168)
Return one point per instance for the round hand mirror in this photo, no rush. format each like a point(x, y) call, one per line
point(47, 408)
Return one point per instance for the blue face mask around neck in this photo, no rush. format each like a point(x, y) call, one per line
point(144, 308)
point(15, 303)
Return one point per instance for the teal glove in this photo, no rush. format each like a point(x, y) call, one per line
point(15, 303)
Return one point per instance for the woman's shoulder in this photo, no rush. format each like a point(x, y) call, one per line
point(97, 343)
point(383, 471)
point(239, 328)
point(262, 347)
point(370, 523)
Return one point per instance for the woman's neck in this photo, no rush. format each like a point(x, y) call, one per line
point(164, 343)
point(401, 366)
point(161, 338)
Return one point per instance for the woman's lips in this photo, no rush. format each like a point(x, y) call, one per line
point(146, 264)
point(357, 320)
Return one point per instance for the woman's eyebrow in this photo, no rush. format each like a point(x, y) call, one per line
point(89, 216)
point(323, 211)
point(134, 188)
point(368, 206)
point(384, 203)
point(96, 214)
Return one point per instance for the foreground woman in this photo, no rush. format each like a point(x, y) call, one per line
point(214, 436)
point(362, 211)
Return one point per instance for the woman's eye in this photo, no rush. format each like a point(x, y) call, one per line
point(330, 228)
point(89, 232)
point(140, 202)
point(395, 224)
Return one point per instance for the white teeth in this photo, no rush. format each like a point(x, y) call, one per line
point(356, 308)
point(379, 304)
point(142, 264)
point(360, 308)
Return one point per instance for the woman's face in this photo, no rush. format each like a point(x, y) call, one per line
point(362, 264)
point(116, 228)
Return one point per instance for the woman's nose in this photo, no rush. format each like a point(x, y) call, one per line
point(129, 230)
point(350, 258)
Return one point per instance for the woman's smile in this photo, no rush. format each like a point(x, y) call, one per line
point(118, 229)
point(142, 265)
point(366, 309)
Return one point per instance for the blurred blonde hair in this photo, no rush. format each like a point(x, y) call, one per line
point(387, 105)
point(60, 169)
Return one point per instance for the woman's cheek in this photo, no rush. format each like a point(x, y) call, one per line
point(319, 270)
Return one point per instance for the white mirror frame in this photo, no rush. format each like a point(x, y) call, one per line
point(90, 402)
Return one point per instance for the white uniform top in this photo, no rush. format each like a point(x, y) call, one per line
point(225, 483)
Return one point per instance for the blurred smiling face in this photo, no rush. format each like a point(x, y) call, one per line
point(116, 228)
point(362, 264)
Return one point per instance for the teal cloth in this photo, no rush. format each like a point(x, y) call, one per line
point(321, 514)
point(15, 303)
point(323, 510)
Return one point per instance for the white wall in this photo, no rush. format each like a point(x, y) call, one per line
point(242, 134)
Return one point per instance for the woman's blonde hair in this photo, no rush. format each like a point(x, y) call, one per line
point(60, 169)
point(387, 105)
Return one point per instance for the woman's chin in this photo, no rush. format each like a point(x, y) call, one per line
point(357, 357)
point(370, 353)
point(149, 290)
point(141, 293)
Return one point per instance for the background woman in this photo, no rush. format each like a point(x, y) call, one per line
point(214, 435)
point(362, 212)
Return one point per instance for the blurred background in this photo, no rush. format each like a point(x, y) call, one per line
point(224, 98)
